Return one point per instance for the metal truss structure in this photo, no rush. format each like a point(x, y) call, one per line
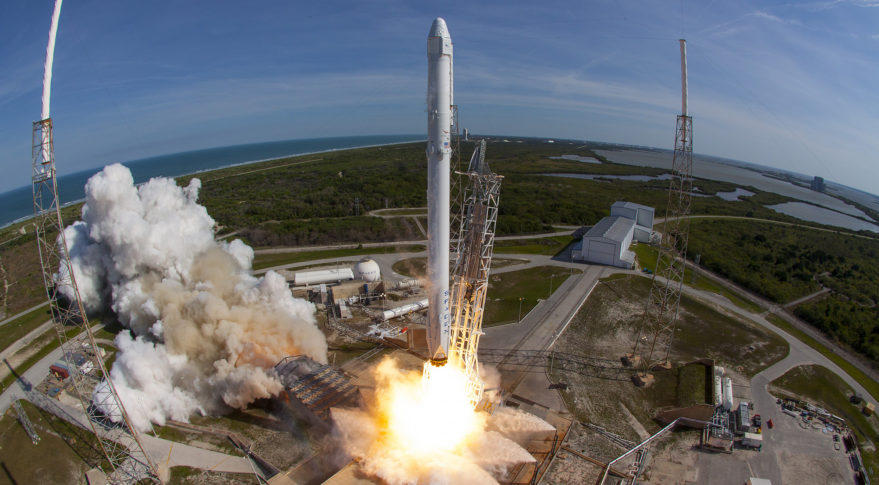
point(539, 360)
point(127, 461)
point(471, 262)
point(661, 312)
point(662, 309)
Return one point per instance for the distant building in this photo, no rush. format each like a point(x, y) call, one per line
point(608, 241)
point(817, 184)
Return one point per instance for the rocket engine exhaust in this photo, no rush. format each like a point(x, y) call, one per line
point(439, 108)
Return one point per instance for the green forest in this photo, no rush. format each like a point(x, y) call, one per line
point(326, 198)
point(784, 263)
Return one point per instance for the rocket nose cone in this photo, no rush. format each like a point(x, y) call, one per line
point(438, 28)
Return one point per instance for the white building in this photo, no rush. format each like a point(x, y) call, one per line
point(608, 241)
point(641, 214)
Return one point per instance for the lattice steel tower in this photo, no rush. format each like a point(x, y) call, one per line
point(126, 459)
point(655, 337)
point(119, 442)
point(471, 262)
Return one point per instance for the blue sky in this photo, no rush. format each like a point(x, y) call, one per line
point(789, 85)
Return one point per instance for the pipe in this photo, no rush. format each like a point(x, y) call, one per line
point(683, 76)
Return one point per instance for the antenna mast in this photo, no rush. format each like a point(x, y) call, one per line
point(656, 335)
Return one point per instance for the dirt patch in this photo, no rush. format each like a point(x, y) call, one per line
point(606, 328)
point(672, 459)
point(798, 468)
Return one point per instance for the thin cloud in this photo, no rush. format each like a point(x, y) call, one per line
point(768, 16)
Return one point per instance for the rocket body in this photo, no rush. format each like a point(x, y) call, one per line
point(439, 111)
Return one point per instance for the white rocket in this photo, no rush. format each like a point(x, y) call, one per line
point(439, 110)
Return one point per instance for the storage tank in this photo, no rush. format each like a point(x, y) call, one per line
point(412, 283)
point(402, 310)
point(718, 391)
point(727, 394)
point(367, 270)
point(303, 278)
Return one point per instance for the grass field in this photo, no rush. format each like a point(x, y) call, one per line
point(863, 379)
point(23, 325)
point(51, 461)
point(820, 386)
point(549, 245)
point(532, 285)
point(681, 387)
point(263, 261)
point(647, 256)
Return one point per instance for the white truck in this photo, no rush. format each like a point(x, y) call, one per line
point(753, 440)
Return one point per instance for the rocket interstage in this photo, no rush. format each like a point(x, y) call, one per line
point(439, 110)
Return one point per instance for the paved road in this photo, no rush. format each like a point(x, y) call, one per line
point(539, 330)
point(299, 249)
point(798, 301)
point(13, 317)
point(26, 340)
point(771, 307)
point(163, 452)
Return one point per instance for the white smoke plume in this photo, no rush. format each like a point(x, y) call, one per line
point(205, 334)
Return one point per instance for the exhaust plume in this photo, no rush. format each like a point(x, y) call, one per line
point(415, 433)
point(204, 333)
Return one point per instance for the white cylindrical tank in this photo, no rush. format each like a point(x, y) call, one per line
point(402, 310)
point(322, 276)
point(719, 371)
point(727, 394)
point(367, 270)
point(408, 284)
point(718, 391)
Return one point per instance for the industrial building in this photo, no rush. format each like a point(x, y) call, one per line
point(607, 242)
point(641, 214)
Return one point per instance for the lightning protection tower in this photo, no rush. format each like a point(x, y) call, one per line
point(656, 334)
point(119, 442)
point(126, 459)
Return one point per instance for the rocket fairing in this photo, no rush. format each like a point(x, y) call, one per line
point(439, 110)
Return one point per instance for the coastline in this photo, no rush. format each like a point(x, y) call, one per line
point(91, 172)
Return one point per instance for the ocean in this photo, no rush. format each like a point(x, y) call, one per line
point(17, 204)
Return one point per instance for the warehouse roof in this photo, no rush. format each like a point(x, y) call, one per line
point(614, 228)
point(630, 205)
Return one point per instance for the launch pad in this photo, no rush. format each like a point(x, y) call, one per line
point(541, 445)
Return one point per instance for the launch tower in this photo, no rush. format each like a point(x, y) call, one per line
point(661, 313)
point(472, 261)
